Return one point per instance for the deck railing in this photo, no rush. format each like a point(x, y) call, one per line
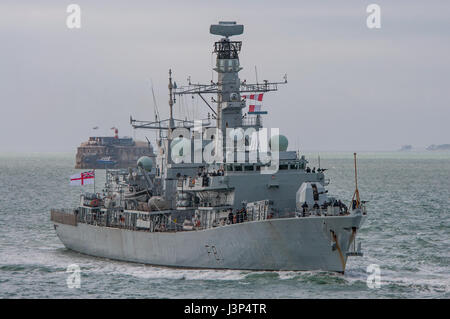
point(63, 216)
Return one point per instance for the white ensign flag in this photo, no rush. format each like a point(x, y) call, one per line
point(82, 178)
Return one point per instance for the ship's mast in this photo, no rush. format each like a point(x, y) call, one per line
point(228, 87)
point(355, 197)
point(229, 103)
point(171, 101)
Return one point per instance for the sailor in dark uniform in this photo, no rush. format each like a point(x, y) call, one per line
point(230, 217)
point(305, 207)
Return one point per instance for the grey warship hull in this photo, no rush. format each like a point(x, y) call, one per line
point(278, 244)
point(223, 195)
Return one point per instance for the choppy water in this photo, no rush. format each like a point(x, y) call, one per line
point(407, 234)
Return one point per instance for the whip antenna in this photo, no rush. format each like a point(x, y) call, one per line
point(355, 199)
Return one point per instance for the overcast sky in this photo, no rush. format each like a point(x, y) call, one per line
point(350, 88)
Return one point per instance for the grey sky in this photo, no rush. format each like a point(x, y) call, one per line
point(350, 88)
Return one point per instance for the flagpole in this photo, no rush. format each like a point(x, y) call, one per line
point(94, 180)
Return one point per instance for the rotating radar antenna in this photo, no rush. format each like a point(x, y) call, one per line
point(226, 28)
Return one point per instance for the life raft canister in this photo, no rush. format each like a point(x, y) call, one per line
point(94, 202)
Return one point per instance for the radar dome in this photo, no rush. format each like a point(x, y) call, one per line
point(278, 143)
point(145, 162)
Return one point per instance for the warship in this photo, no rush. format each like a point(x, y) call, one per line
point(222, 192)
point(441, 147)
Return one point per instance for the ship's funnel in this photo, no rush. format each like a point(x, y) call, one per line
point(226, 28)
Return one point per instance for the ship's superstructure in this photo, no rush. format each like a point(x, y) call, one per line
point(222, 192)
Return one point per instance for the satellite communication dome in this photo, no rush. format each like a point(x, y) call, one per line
point(145, 162)
point(279, 143)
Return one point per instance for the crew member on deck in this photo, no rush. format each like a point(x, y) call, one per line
point(305, 207)
point(230, 217)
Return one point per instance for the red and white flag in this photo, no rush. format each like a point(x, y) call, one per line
point(255, 102)
point(83, 178)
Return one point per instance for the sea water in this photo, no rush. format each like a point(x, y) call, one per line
point(406, 235)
